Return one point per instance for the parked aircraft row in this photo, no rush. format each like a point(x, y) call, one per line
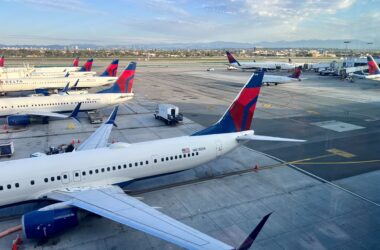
point(90, 178)
point(268, 79)
point(23, 110)
point(38, 72)
point(27, 84)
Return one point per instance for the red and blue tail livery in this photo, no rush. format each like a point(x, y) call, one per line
point(124, 83)
point(111, 70)
point(87, 66)
point(76, 62)
point(373, 68)
point(297, 73)
point(2, 61)
point(238, 116)
point(231, 59)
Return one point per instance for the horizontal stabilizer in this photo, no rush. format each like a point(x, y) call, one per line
point(265, 138)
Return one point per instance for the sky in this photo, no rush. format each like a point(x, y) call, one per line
point(125, 22)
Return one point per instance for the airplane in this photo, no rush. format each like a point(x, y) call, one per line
point(22, 111)
point(268, 79)
point(233, 63)
point(26, 71)
point(89, 179)
point(28, 84)
point(373, 70)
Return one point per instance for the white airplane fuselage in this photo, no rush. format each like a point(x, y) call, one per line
point(278, 79)
point(60, 103)
point(38, 69)
point(27, 84)
point(28, 179)
point(27, 74)
point(263, 65)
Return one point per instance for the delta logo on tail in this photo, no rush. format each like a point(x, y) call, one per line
point(124, 83)
point(230, 58)
point(373, 68)
point(76, 62)
point(87, 66)
point(111, 70)
point(2, 61)
point(239, 115)
point(297, 73)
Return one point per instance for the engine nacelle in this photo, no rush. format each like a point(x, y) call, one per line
point(43, 224)
point(24, 120)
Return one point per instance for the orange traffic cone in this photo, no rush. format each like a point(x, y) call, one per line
point(72, 141)
point(78, 141)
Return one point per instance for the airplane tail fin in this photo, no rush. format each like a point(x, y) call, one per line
point(2, 60)
point(124, 83)
point(111, 70)
point(74, 114)
point(231, 58)
point(247, 243)
point(373, 68)
point(238, 116)
point(76, 62)
point(87, 66)
point(297, 72)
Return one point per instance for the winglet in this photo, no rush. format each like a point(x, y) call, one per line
point(74, 114)
point(247, 243)
point(66, 88)
point(76, 83)
point(112, 117)
point(67, 74)
point(2, 61)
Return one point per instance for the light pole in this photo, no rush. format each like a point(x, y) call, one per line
point(347, 42)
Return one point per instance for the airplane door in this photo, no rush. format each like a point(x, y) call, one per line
point(65, 178)
point(76, 175)
point(219, 147)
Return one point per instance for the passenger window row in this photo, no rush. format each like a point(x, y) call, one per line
point(47, 104)
point(9, 186)
point(108, 169)
point(176, 157)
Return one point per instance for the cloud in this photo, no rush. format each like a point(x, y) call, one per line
point(67, 5)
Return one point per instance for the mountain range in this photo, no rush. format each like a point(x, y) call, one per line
point(313, 43)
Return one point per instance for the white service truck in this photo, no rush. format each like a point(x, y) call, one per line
point(168, 113)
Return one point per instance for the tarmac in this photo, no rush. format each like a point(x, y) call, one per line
point(226, 198)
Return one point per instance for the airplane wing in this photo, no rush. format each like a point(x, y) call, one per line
point(100, 137)
point(111, 202)
point(73, 114)
point(48, 114)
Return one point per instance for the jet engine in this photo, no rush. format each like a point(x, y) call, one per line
point(49, 221)
point(24, 120)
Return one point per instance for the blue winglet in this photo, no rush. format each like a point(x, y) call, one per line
point(66, 88)
point(76, 84)
point(75, 112)
point(253, 235)
point(112, 117)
